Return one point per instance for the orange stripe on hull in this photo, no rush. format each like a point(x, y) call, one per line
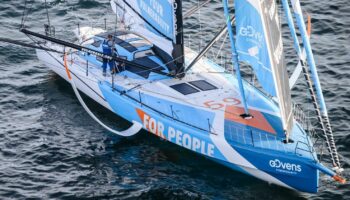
point(259, 121)
point(151, 124)
point(66, 66)
point(140, 113)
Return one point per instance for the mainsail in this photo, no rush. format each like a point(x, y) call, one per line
point(259, 43)
point(159, 21)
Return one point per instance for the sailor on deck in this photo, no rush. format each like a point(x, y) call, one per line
point(108, 49)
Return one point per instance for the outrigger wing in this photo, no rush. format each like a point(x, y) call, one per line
point(259, 43)
point(159, 21)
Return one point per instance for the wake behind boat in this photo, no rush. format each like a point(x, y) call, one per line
point(181, 96)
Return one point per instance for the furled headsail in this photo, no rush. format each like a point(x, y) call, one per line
point(259, 43)
point(159, 21)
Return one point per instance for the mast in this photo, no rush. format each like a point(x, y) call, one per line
point(209, 45)
point(179, 48)
point(235, 59)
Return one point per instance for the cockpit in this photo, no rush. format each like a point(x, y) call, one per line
point(131, 47)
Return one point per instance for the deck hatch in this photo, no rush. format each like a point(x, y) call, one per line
point(203, 85)
point(184, 88)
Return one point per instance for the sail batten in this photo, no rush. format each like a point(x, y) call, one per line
point(259, 44)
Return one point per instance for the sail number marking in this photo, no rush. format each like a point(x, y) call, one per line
point(217, 105)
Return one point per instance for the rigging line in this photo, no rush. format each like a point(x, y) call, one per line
point(124, 13)
point(124, 17)
point(26, 14)
point(195, 9)
point(23, 14)
point(222, 46)
point(200, 28)
point(115, 37)
point(47, 14)
point(209, 45)
point(15, 42)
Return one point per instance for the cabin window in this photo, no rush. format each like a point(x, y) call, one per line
point(203, 85)
point(184, 88)
point(142, 54)
point(140, 42)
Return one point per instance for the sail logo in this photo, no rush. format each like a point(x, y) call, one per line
point(284, 166)
point(175, 7)
point(157, 7)
point(155, 11)
point(254, 51)
point(250, 32)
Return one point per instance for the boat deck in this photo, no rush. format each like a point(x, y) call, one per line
point(236, 135)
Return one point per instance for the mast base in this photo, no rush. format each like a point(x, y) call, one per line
point(288, 141)
point(247, 116)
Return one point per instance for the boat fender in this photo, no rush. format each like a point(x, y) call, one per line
point(135, 128)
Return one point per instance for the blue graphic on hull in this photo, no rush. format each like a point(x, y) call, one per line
point(293, 171)
point(275, 157)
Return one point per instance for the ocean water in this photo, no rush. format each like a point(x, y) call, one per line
point(51, 149)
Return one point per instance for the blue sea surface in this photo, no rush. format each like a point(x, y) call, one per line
point(51, 149)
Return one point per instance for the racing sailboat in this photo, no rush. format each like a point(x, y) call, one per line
point(183, 97)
